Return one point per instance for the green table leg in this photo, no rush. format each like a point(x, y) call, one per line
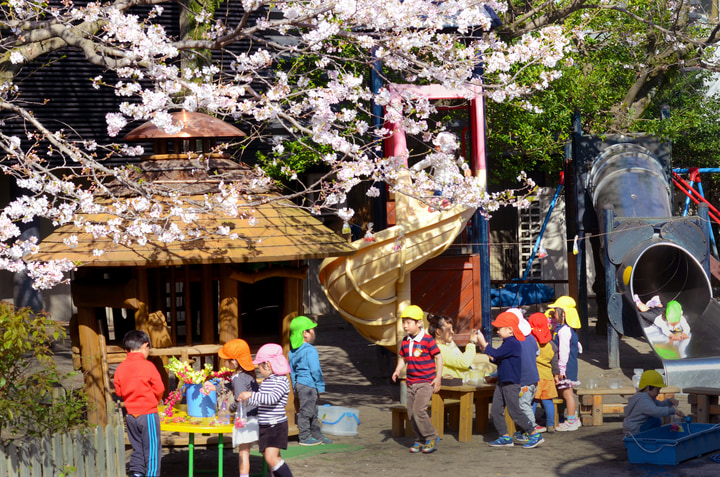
point(220, 454)
point(191, 451)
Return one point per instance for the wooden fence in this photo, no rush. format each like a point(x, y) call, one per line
point(92, 452)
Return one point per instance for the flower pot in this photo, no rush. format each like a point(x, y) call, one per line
point(199, 404)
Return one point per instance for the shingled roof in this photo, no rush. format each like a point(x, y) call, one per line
point(282, 232)
point(269, 228)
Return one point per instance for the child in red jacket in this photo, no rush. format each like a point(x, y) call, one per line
point(138, 384)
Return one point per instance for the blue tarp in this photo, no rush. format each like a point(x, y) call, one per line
point(518, 294)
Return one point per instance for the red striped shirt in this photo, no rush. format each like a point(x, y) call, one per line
point(421, 365)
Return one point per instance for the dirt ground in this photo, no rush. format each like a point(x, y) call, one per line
point(354, 378)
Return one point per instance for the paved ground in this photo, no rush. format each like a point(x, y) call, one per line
point(354, 379)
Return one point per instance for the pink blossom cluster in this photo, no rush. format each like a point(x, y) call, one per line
point(320, 103)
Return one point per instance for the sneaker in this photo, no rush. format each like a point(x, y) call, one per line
point(325, 440)
point(569, 426)
point(429, 446)
point(310, 441)
point(550, 429)
point(521, 437)
point(416, 448)
point(502, 441)
point(534, 441)
point(541, 428)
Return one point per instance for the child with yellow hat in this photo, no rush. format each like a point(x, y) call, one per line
point(424, 373)
point(307, 378)
point(237, 354)
point(567, 320)
point(643, 411)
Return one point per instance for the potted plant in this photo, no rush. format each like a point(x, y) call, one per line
point(198, 386)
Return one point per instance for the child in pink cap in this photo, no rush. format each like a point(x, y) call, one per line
point(271, 400)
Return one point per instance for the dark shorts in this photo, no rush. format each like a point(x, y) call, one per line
point(275, 435)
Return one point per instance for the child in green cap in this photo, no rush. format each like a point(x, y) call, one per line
point(669, 328)
point(307, 380)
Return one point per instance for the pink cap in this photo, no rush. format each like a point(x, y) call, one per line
point(273, 353)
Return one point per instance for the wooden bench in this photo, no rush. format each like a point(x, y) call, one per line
point(704, 404)
point(593, 410)
point(401, 424)
point(511, 424)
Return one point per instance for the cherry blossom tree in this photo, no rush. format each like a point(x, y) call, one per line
point(325, 103)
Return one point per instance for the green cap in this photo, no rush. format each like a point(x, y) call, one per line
point(297, 326)
point(673, 311)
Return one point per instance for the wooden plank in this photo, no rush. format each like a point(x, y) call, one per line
point(465, 425)
point(92, 368)
point(702, 390)
point(23, 462)
point(34, 456)
point(207, 297)
point(4, 470)
point(228, 312)
point(99, 451)
point(47, 455)
point(67, 449)
point(702, 410)
point(57, 454)
point(120, 451)
point(597, 410)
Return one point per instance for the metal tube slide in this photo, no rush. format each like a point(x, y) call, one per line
point(656, 254)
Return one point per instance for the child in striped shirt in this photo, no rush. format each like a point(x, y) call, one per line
point(271, 399)
point(424, 372)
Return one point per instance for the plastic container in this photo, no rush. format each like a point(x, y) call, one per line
point(670, 447)
point(338, 420)
point(636, 377)
point(474, 377)
point(223, 416)
point(199, 404)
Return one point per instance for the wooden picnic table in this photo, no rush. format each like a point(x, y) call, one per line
point(467, 395)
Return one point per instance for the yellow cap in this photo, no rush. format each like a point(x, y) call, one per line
point(651, 378)
point(413, 312)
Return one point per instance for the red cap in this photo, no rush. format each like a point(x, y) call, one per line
point(540, 329)
point(508, 318)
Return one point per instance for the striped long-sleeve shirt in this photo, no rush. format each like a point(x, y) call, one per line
point(420, 358)
point(271, 399)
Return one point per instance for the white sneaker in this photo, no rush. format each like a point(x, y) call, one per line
point(569, 426)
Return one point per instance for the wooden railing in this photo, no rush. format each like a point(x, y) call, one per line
point(80, 453)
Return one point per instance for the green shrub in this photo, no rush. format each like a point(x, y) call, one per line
point(33, 401)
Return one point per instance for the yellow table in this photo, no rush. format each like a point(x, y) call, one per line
point(195, 425)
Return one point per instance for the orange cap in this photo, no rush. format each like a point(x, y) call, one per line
point(238, 350)
point(508, 318)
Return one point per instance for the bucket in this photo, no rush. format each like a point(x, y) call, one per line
point(338, 420)
point(198, 404)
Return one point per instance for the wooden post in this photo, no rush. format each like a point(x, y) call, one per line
point(141, 314)
point(173, 307)
point(207, 318)
point(88, 331)
point(189, 330)
point(292, 307)
point(228, 314)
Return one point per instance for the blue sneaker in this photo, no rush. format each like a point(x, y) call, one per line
point(534, 441)
point(310, 441)
point(502, 441)
point(416, 448)
point(325, 440)
point(521, 437)
point(429, 446)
